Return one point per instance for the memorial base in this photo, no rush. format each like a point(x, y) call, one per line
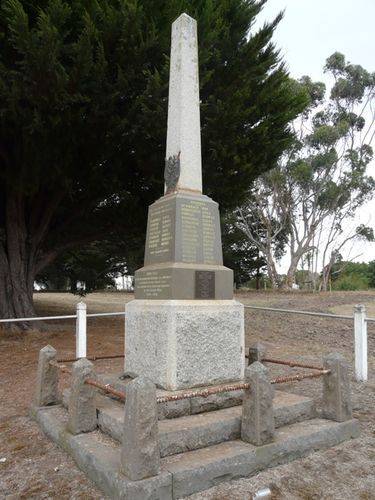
point(185, 343)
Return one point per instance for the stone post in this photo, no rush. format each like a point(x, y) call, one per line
point(258, 423)
point(140, 454)
point(46, 392)
point(82, 408)
point(257, 352)
point(336, 402)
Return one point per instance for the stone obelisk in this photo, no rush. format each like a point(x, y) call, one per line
point(184, 329)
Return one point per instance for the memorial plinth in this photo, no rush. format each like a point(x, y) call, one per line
point(184, 329)
point(185, 343)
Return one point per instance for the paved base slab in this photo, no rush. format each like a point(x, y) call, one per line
point(193, 471)
point(195, 431)
point(99, 457)
point(198, 431)
point(199, 470)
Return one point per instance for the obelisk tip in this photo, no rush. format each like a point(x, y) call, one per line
point(184, 17)
point(183, 152)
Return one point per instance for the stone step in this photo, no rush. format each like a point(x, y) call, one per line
point(187, 473)
point(204, 429)
point(199, 470)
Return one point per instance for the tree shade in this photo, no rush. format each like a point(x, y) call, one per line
point(83, 112)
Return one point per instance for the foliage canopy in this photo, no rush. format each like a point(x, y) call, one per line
point(322, 179)
point(83, 108)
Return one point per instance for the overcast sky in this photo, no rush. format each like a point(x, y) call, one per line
point(312, 30)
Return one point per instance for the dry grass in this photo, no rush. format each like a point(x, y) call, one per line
point(36, 468)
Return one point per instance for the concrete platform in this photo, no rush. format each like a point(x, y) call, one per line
point(193, 471)
point(196, 431)
point(201, 469)
point(99, 457)
point(205, 429)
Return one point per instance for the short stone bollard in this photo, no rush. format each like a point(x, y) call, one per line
point(258, 422)
point(336, 402)
point(82, 408)
point(46, 392)
point(257, 352)
point(140, 455)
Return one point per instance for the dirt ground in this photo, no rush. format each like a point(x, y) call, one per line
point(33, 467)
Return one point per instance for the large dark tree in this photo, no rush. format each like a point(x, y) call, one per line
point(96, 266)
point(83, 104)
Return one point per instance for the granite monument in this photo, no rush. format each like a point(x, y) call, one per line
point(184, 329)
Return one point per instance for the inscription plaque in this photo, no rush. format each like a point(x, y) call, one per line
point(160, 233)
point(182, 229)
point(154, 284)
point(198, 232)
point(204, 284)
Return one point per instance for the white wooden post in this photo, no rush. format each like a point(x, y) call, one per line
point(81, 330)
point(360, 343)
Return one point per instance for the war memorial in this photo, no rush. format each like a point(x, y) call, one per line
point(186, 413)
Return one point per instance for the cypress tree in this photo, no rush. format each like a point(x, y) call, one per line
point(83, 112)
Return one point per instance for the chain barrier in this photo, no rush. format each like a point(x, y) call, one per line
point(292, 364)
point(204, 393)
point(106, 388)
point(90, 358)
point(299, 376)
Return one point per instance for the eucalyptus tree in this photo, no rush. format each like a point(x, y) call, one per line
point(83, 108)
point(314, 192)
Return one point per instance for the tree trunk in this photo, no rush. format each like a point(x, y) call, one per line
point(326, 272)
point(295, 259)
point(272, 272)
point(291, 274)
point(17, 269)
point(16, 295)
point(257, 279)
point(257, 276)
point(325, 278)
point(6, 305)
point(22, 252)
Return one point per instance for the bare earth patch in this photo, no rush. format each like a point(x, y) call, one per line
point(36, 468)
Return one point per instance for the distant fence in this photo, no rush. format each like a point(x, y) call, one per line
point(359, 319)
point(81, 324)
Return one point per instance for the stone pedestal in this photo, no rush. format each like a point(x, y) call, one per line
point(185, 343)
